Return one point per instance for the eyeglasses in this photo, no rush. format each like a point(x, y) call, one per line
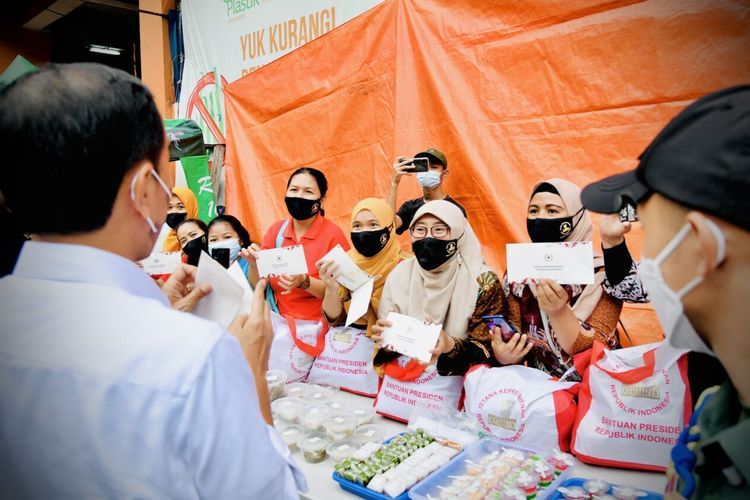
point(439, 231)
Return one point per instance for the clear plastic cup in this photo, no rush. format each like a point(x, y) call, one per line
point(369, 433)
point(364, 415)
point(340, 450)
point(313, 417)
point(276, 380)
point(287, 409)
point(313, 446)
point(290, 434)
point(340, 425)
point(317, 394)
point(296, 389)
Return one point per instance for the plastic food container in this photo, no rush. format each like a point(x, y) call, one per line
point(340, 450)
point(340, 425)
point(290, 434)
point(317, 394)
point(276, 380)
point(296, 390)
point(596, 487)
point(369, 433)
point(313, 447)
point(573, 489)
point(287, 409)
point(313, 417)
point(485, 452)
point(364, 415)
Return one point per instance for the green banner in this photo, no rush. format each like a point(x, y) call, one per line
point(199, 182)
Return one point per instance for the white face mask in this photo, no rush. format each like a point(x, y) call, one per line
point(429, 180)
point(164, 187)
point(668, 303)
point(232, 245)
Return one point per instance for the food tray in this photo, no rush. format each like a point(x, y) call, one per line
point(485, 446)
point(578, 481)
point(363, 491)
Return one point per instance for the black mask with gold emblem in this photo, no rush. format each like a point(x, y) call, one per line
point(302, 208)
point(370, 243)
point(432, 253)
point(551, 230)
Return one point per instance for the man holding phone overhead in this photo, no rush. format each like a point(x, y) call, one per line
point(431, 169)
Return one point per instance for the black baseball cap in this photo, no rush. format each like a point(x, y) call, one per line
point(434, 156)
point(701, 160)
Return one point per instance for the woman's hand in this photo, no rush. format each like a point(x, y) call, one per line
point(250, 254)
point(445, 344)
point(329, 273)
point(550, 295)
point(511, 352)
point(290, 282)
point(377, 331)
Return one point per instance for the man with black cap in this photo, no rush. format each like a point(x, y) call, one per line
point(692, 188)
point(431, 182)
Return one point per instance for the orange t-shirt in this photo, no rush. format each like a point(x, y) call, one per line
point(319, 239)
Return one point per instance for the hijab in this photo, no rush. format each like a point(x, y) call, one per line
point(188, 199)
point(448, 294)
point(583, 230)
point(381, 264)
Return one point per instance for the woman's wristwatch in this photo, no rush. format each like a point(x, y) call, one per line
point(305, 284)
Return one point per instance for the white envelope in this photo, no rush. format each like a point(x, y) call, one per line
point(359, 302)
point(566, 263)
point(283, 260)
point(352, 277)
point(161, 263)
point(235, 271)
point(411, 337)
point(225, 299)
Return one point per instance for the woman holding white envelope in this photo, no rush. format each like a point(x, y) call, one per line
point(447, 283)
point(346, 361)
point(553, 321)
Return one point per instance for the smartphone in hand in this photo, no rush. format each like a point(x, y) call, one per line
point(506, 329)
point(221, 255)
point(418, 165)
point(628, 213)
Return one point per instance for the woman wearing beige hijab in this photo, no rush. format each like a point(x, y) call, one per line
point(446, 282)
point(554, 321)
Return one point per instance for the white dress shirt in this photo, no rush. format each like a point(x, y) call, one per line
point(105, 391)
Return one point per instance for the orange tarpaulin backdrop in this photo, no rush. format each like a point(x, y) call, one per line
point(511, 92)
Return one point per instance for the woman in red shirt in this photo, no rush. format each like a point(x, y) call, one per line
point(301, 296)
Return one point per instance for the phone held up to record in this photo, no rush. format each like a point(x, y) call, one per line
point(418, 165)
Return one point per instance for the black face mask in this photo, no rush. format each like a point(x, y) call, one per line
point(551, 230)
point(175, 218)
point(193, 249)
point(302, 208)
point(432, 253)
point(369, 243)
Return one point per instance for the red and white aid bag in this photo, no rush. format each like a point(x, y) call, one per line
point(397, 398)
point(522, 406)
point(346, 362)
point(296, 342)
point(632, 405)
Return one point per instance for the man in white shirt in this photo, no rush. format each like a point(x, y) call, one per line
point(105, 390)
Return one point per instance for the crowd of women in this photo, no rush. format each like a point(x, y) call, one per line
point(443, 278)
